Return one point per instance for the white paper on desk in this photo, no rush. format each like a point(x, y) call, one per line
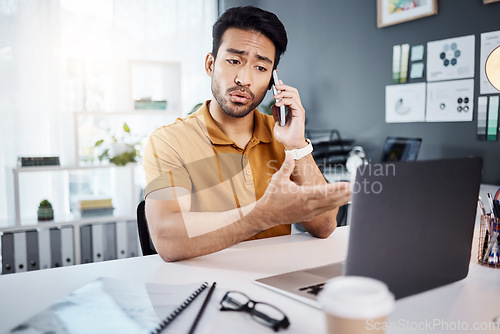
point(450, 101)
point(489, 41)
point(451, 58)
point(115, 306)
point(405, 103)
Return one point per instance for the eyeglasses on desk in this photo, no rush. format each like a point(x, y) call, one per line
point(264, 313)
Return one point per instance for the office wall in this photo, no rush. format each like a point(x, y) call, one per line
point(341, 62)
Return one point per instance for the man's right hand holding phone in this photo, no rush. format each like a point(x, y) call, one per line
point(292, 133)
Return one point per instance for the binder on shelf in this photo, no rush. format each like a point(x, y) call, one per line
point(97, 243)
point(86, 243)
point(20, 255)
point(32, 250)
point(67, 246)
point(44, 251)
point(110, 241)
point(121, 240)
point(132, 238)
point(55, 247)
point(7, 253)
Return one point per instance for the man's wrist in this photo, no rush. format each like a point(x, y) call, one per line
point(261, 215)
point(299, 153)
point(302, 144)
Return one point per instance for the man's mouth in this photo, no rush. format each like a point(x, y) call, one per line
point(239, 96)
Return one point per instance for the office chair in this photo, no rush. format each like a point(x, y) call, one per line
point(142, 225)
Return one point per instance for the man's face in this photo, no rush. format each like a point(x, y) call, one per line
point(242, 71)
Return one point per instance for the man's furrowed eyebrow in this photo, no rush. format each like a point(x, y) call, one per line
point(267, 60)
point(241, 52)
point(238, 52)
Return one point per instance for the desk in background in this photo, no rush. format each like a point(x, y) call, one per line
point(472, 300)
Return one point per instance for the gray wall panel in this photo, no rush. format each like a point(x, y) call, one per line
point(341, 62)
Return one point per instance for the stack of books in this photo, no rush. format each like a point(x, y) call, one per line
point(95, 207)
point(38, 161)
point(148, 104)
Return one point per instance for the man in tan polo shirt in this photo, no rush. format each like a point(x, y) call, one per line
point(228, 173)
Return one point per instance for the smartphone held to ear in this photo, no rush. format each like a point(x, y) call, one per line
point(282, 109)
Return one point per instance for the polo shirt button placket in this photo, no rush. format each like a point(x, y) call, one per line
point(248, 176)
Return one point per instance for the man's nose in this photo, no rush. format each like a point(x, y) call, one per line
point(244, 76)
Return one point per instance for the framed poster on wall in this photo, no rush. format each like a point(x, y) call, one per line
point(391, 12)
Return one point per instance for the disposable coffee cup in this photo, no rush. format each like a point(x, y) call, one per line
point(356, 305)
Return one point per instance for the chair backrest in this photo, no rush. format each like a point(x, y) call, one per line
point(142, 225)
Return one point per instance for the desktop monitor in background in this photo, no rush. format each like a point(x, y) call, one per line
point(401, 149)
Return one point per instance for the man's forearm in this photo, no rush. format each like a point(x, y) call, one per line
point(306, 172)
point(181, 235)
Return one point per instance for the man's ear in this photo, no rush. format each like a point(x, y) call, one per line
point(270, 83)
point(209, 64)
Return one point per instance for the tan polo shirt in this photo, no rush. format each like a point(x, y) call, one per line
point(195, 154)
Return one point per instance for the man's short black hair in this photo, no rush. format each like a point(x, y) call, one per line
point(253, 19)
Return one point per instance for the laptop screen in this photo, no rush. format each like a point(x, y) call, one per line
point(401, 149)
point(401, 218)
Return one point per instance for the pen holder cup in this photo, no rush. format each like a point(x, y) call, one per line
point(489, 242)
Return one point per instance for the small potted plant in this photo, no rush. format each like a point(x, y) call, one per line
point(45, 211)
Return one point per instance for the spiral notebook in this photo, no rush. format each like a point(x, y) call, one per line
point(108, 305)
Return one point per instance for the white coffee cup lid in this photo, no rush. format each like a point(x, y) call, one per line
point(356, 297)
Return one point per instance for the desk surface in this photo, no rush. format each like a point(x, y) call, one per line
point(472, 300)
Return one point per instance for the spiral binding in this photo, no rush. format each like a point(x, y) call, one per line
point(179, 309)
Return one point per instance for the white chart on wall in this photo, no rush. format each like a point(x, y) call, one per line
point(450, 101)
point(489, 41)
point(451, 58)
point(405, 103)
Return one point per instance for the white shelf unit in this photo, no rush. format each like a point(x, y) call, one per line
point(60, 176)
point(155, 79)
point(124, 190)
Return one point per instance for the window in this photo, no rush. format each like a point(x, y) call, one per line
point(67, 56)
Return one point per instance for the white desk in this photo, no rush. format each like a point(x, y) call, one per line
point(475, 299)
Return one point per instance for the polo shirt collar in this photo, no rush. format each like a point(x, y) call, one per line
point(217, 137)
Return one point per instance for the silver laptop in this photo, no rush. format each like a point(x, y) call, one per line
point(423, 208)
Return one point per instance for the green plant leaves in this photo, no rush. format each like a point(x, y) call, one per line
point(45, 204)
point(124, 158)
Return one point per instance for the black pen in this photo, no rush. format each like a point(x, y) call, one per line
point(493, 208)
point(202, 309)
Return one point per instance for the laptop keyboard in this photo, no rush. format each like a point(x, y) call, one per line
point(313, 289)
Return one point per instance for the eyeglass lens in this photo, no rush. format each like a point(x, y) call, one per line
point(266, 313)
point(235, 300)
